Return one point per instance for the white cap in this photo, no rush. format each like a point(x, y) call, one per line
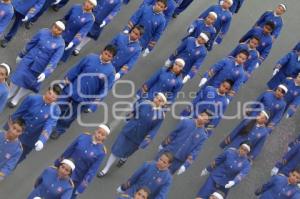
point(213, 14)
point(231, 2)
point(180, 61)
point(69, 163)
point(162, 96)
point(217, 195)
point(94, 2)
point(7, 67)
point(265, 114)
point(204, 36)
point(60, 24)
point(283, 6)
point(247, 147)
point(283, 87)
point(105, 127)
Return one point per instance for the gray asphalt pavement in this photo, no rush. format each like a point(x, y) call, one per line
point(20, 183)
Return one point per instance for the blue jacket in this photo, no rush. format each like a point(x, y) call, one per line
point(154, 25)
point(270, 16)
point(87, 157)
point(4, 92)
point(28, 7)
point(266, 41)
point(292, 97)
point(229, 166)
point(148, 175)
point(49, 186)
point(297, 47)
point(78, 24)
point(40, 118)
point(290, 160)
point(192, 53)
point(84, 77)
point(279, 188)
point(6, 15)
point(127, 55)
point(186, 141)
point(10, 152)
point(226, 69)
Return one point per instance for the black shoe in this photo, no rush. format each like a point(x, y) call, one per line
point(55, 8)
point(28, 25)
point(4, 43)
point(55, 135)
point(11, 105)
point(75, 52)
point(121, 163)
point(174, 15)
point(88, 110)
point(101, 174)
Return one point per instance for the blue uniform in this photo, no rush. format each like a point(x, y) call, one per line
point(251, 64)
point(227, 68)
point(28, 8)
point(44, 8)
point(228, 166)
point(50, 186)
point(39, 117)
point(271, 16)
point(41, 55)
point(185, 143)
point(61, 4)
point(164, 81)
point(182, 5)
point(192, 53)
point(256, 137)
point(210, 99)
point(199, 26)
point(274, 106)
point(290, 161)
point(292, 97)
point(6, 15)
point(4, 92)
point(105, 11)
point(154, 25)
point(279, 188)
point(297, 47)
point(236, 6)
point(266, 41)
point(289, 66)
point(90, 81)
point(222, 23)
point(78, 24)
point(127, 55)
point(139, 130)
point(148, 175)
point(10, 152)
point(87, 157)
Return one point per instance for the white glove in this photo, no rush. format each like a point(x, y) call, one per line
point(117, 76)
point(102, 24)
point(229, 184)
point(275, 71)
point(288, 149)
point(181, 170)
point(287, 116)
point(41, 77)
point(191, 29)
point(126, 31)
point(18, 59)
point(25, 19)
point(39, 145)
point(146, 52)
point(274, 171)
point(186, 78)
point(119, 190)
point(160, 147)
point(168, 62)
point(257, 65)
point(202, 82)
point(204, 172)
point(56, 2)
point(37, 198)
point(70, 45)
point(227, 100)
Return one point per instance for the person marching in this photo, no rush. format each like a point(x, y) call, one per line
point(142, 193)
point(292, 97)
point(54, 182)
point(32, 70)
point(138, 132)
point(87, 152)
point(7, 13)
point(4, 88)
point(236, 6)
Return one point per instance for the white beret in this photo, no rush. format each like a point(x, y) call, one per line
point(69, 163)
point(283, 87)
point(247, 147)
point(265, 114)
point(218, 195)
point(7, 67)
point(60, 24)
point(105, 127)
point(213, 14)
point(162, 96)
point(180, 61)
point(283, 6)
point(94, 2)
point(204, 36)
point(230, 1)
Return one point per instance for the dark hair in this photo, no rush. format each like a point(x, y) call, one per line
point(256, 38)
point(146, 189)
point(297, 169)
point(171, 67)
point(270, 24)
point(245, 52)
point(20, 122)
point(247, 128)
point(229, 81)
point(169, 156)
point(56, 89)
point(111, 48)
point(163, 1)
point(140, 28)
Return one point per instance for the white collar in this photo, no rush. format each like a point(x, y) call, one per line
point(197, 44)
point(103, 61)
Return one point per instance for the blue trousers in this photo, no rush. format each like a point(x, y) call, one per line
point(184, 4)
point(45, 7)
point(26, 151)
point(61, 4)
point(14, 28)
point(209, 187)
